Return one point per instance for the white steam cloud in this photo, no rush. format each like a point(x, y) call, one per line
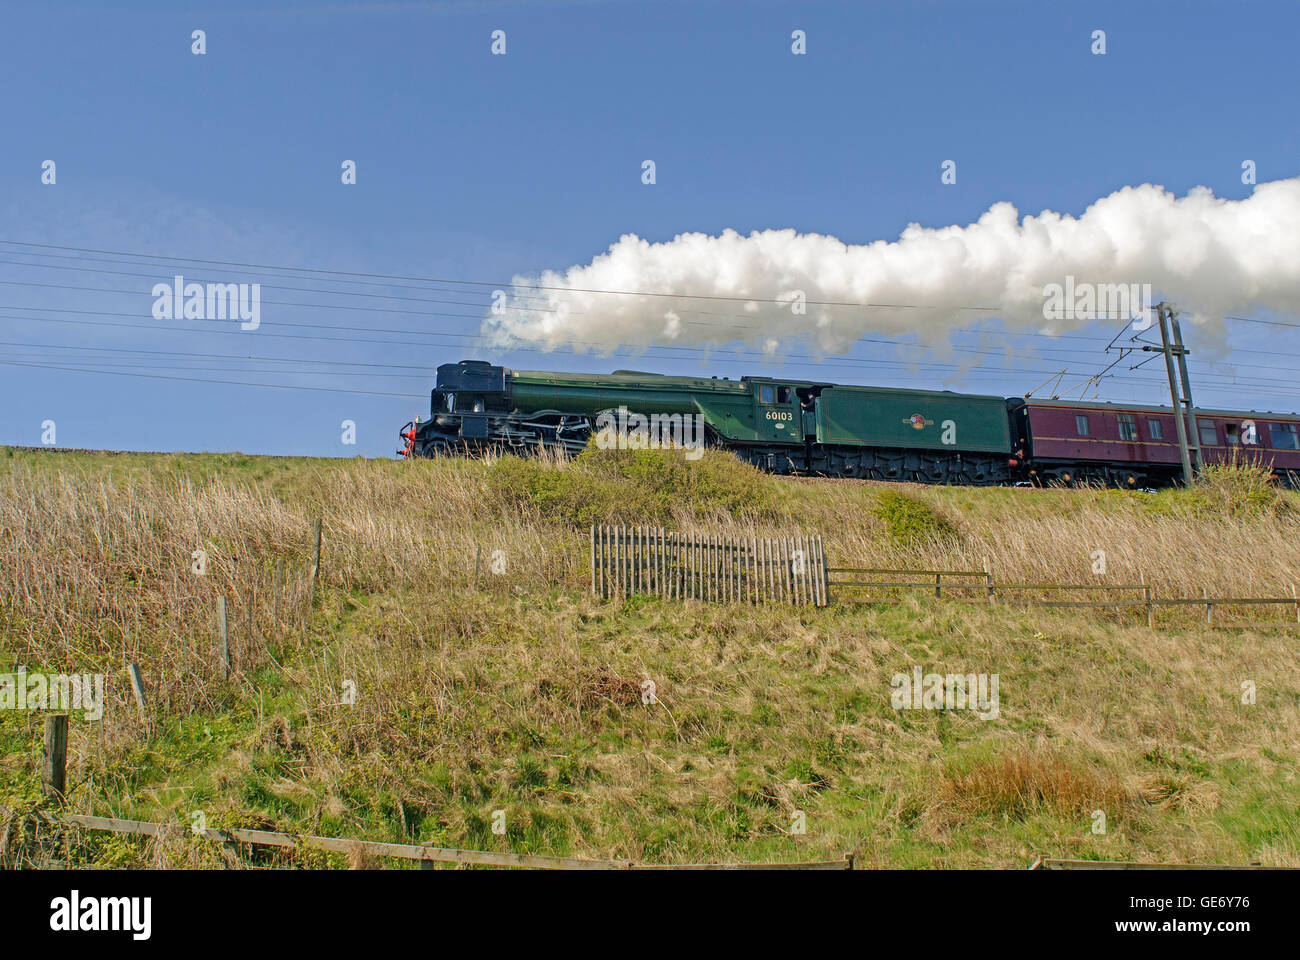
point(1208, 255)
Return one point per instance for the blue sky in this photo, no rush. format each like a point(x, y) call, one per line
point(479, 167)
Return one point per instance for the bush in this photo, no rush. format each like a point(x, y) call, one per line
point(716, 482)
point(557, 491)
point(911, 522)
point(1227, 490)
point(632, 487)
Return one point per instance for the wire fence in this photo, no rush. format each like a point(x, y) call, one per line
point(849, 580)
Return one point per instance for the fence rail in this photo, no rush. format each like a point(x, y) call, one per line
point(941, 580)
point(426, 855)
point(628, 560)
point(935, 579)
point(1045, 863)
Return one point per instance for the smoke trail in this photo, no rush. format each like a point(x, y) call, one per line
point(1209, 255)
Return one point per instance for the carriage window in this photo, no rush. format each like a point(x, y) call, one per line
point(782, 394)
point(1155, 429)
point(766, 394)
point(1231, 430)
point(1128, 428)
point(1209, 433)
point(1081, 425)
point(1284, 436)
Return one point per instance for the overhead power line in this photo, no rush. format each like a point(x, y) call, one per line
point(489, 283)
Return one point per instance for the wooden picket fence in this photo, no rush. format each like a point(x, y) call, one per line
point(682, 566)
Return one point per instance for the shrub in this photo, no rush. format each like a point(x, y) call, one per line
point(909, 521)
point(631, 486)
point(716, 482)
point(1227, 490)
point(557, 492)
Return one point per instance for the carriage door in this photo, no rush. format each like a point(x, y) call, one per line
point(778, 413)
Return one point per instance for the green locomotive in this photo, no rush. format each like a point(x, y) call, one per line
point(779, 424)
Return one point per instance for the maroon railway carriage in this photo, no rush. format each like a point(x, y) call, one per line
point(1132, 445)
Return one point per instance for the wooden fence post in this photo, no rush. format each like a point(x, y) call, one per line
point(137, 685)
point(791, 550)
point(710, 568)
point(279, 590)
point(1209, 607)
point(938, 585)
point(657, 560)
point(697, 566)
point(787, 573)
point(739, 560)
point(670, 564)
point(724, 572)
point(223, 634)
point(315, 559)
point(1297, 606)
point(988, 580)
point(796, 574)
point(54, 770)
point(653, 554)
point(771, 569)
point(822, 586)
point(812, 571)
point(778, 570)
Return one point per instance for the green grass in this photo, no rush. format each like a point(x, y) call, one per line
point(521, 693)
point(910, 521)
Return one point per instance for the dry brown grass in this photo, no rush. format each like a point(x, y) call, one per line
point(95, 562)
point(522, 690)
point(1020, 783)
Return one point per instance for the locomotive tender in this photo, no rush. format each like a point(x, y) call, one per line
point(791, 426)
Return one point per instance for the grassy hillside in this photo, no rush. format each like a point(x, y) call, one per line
point(520, 692)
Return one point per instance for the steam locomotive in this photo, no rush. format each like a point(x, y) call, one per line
point(808, 427)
